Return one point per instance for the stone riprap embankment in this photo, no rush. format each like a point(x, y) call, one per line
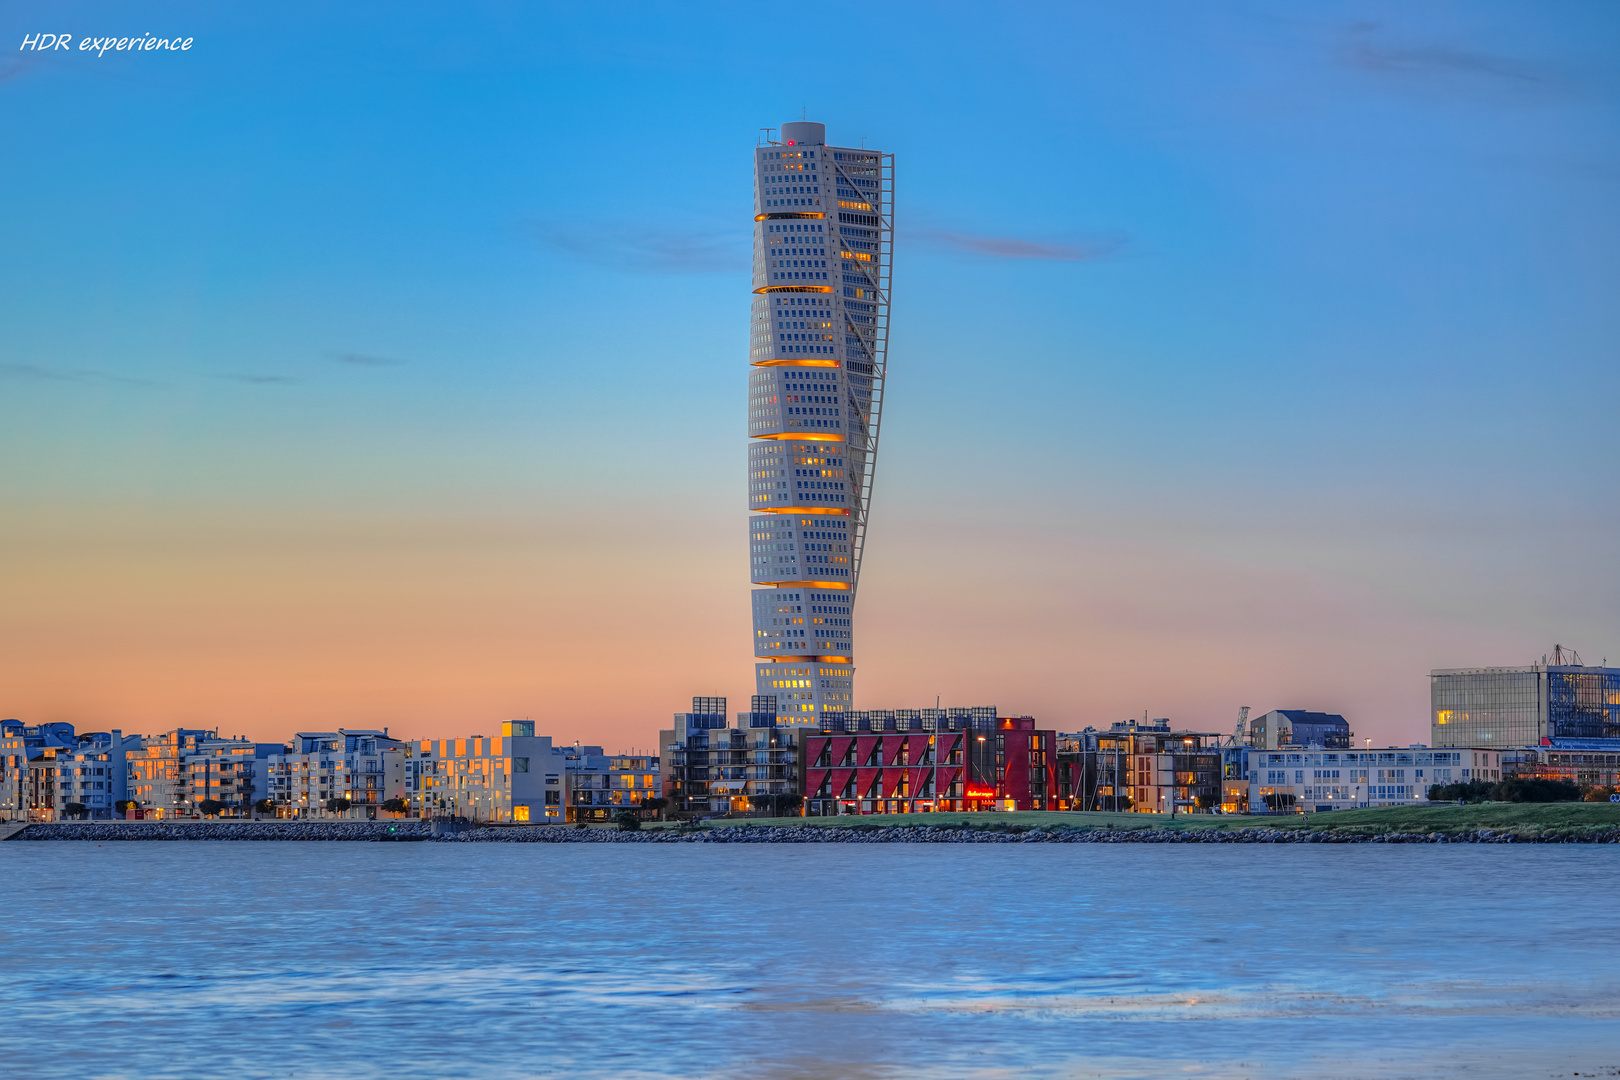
point(937, 835)
point(226, 830)
point(760, 834)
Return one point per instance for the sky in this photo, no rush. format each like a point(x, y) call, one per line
point(385, 364)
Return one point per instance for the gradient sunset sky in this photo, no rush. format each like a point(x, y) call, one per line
point(385, 364)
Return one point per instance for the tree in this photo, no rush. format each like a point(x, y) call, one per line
point(124, 806)
point(210, 807)
point(1204, 802)
point(778, 805)
point(266, 806)
point(1279, 801)
point(75, 810)
point(657, 806)
point(395, 806)
point(338, 806)
point(627, 820)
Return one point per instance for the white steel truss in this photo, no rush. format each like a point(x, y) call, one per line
point(862, 474)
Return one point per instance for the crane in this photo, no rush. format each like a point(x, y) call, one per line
point(1240, 733)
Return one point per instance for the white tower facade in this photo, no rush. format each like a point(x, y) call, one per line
point(818, 349)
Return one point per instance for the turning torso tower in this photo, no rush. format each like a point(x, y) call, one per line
point(818, 349)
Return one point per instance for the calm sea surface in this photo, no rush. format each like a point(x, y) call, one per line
point(203, 960)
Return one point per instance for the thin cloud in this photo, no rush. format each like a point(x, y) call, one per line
point(365, 360)
point(648, 250)
point(263, 380)
point(1012, 247)
point(35, 373)
point(31, 372)
point(16, 67)
point(1438, 60)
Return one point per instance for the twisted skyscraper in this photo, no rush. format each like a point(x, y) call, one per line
point(818, 349)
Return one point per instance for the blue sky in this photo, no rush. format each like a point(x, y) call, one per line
point(1260, 354)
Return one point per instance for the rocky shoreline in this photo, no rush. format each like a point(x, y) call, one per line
point(444, 832)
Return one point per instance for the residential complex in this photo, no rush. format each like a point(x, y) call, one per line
point(362, 766)
point(1312, 778)
point(519, 777)
point(1145, 766)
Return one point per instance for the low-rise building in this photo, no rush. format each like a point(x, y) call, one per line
point(928, 761)
point(1299, 727)
point(599, 786)
point(1144, 766)
point(1295, 779)
point(158, 780)
point(172, 775)
point(1586, 762)
point(92, 776)
point(364, 766)
point(19, 744)
point(516, 776)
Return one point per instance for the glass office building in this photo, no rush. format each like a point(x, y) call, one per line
point(1523, 706)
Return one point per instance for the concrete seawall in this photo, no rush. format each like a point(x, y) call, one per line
point(408, 830)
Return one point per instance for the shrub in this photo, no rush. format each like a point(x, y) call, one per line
point(1514, 789)
point(1468, 791)
point(627, 820)
point(1520, 789)
point(1599, 793)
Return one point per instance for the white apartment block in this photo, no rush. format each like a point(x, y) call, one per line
point(173, 774)
point(1310, 779)
point(367, 767)
point(20, 744)
point(63, 776)
point(519, 777)
point(818, 350)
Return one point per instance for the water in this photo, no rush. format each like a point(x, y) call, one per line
point(875, 962)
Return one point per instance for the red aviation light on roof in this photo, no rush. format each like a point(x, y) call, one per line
point(791, 142)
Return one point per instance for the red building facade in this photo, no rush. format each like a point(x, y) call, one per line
point(988, 764)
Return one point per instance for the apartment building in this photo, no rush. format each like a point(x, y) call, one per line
point(1145, 766)
point(600, 786)
point(516, 776)
point(173, 774)
point(367, 767)
point(1314, 779)
point(19, 744)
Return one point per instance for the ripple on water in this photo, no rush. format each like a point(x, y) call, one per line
point(368, 960)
